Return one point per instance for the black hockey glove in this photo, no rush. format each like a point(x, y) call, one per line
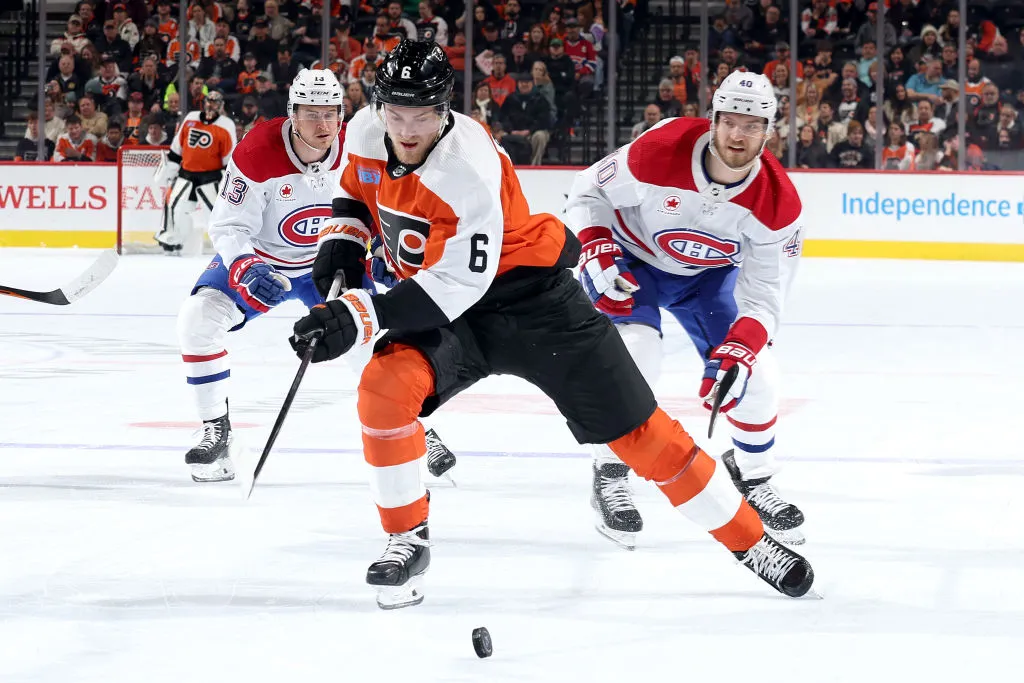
point(335, 255)
point(340, 325)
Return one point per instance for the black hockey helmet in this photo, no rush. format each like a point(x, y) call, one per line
point(415, 74)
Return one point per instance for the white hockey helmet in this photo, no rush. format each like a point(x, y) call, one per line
point(315, 87)
point(746, 92)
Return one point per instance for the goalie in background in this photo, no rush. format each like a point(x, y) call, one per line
point(193, 169)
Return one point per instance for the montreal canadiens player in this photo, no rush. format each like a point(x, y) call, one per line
point(693, 218)
point(193, 169)
point(265, 223)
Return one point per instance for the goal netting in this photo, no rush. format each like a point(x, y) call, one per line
point(141, 206)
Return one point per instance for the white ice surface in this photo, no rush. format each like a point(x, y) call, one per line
point(899, 431)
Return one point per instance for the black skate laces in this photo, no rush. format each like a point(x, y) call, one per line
point(770, 560)
point(765, 497)
point(616, 494)
point(402, 546)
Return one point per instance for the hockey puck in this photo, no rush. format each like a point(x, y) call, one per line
point(482, 642)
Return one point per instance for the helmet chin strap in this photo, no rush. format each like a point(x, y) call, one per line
point(296, 133)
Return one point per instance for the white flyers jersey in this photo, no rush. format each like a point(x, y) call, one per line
point(268, 206)
point(663, 209)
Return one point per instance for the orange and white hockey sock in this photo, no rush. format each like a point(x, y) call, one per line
point(391, 393)
point(661, 451)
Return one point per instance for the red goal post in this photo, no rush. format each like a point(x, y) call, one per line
point(141, 198)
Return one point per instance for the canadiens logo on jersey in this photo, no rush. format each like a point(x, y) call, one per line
point(405, 237)
point(301, 227)
point(697, 249)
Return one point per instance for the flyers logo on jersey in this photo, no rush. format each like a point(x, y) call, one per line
point(697, 249)
point(405, 237)
point(199, 138)
point(301, 228)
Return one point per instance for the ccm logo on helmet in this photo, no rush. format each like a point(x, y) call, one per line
point(697, 249)
point(301, 227)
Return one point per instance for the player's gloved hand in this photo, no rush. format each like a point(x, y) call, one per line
point(603, 272)
point(342, 248)
point(260, 285)
point(347, 321)
point(744, 341)
point(379, 269)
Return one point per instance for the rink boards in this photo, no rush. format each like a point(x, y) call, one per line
point(971, 216)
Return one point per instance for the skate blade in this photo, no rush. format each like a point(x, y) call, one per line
point(220, 469)
point(396, 597)
point(787, 536)
point(624, 539)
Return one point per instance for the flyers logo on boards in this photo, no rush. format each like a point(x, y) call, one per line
point(405, 237)
point(301, 227)
point(697, 249)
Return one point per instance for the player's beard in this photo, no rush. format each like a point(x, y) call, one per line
point(736, 158)
point(411, 157)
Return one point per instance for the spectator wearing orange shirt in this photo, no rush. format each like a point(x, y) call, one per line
point(247, 78)
point(348, 47)
point(339, 67)
point(106, 149)
point(371, 55)
point(385, 40)
point(75, 144)
point(782, 57)
point(501, 84)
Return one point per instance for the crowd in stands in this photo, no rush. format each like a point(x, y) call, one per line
point(113, 75)
point(838, 66)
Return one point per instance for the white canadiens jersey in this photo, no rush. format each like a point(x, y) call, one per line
point(663, 209)
point(267, 207)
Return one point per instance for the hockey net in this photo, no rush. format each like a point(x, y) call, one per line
point(141, 206)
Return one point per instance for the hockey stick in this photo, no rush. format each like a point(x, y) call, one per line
point(721, 390)
point(74, 290)
point(247, 484)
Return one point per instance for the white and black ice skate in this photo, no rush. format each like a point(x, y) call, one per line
point(398, 574)
point(784, 569)
point(439, 458)
point(617, 517)
point(783, 519)
point(210, 460)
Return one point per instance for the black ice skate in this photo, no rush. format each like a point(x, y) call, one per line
point(782, 519)
point(439, 458)
point(210, 460)
point(617, 517)
point(785, 570)
point(398, 574)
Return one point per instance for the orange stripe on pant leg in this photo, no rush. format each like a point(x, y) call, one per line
point(658, 450)
point(742, 531)
point(405, 518)
point(392, 389)
point(662, 451)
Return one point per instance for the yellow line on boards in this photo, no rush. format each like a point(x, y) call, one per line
point(86, 239)
point(937, 251)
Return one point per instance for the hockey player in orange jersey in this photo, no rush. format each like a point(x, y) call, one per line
point(193, 168)
point(485, 288)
